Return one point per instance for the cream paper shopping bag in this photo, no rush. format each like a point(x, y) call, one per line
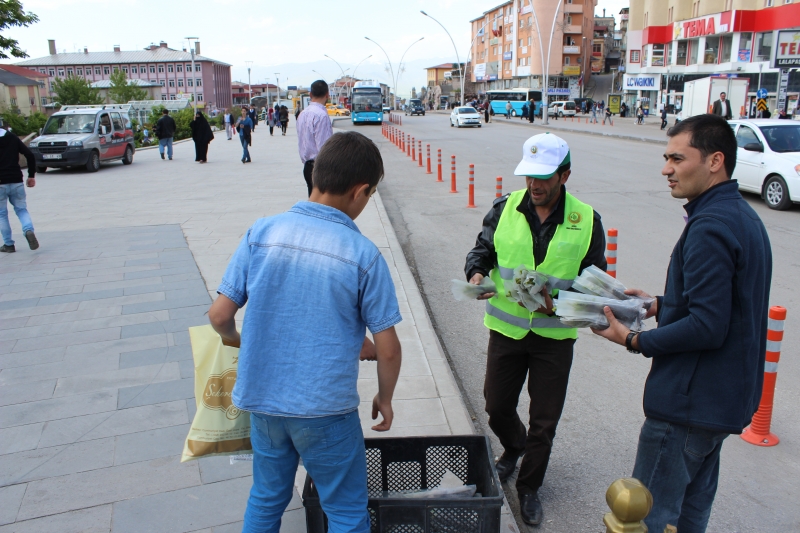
point(218, 428)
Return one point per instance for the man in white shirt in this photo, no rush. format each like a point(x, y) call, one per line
point(313, 129)
point(228, 119)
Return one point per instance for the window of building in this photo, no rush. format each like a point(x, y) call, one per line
point(161, 68)
point(763, 46)
point(199, 97)
point(646, 16)
point(566, 60)
point(520, 43)
point(521, 23)
point(529, 41)
point(711, 53)
point(161, 82)
point(96, 71)
point(13, 101)
point(163, 96)
point(134, 69)
point(668, 55)
point(180, 83)
point(116, 69)
point(179, 68)
point(745, 46)
point(634, 56)
point(657, 59)
point(670, 14)
point(172, 97)
point(597, 48)
point(125, 70)
point(198, 82)
point(43, 70)
point(726, 48)
point(69, 71)
point(696, 8)
point(568, 20)
point(645, 51)
point(172, 83)
point(79, 71)
point(694, 45)
point(189, 82)
point(169, 68)
point(106, 71)
point(530, 21)
point(152, 69)
point(197, 68)
point(188, 68)
point(142, 69)
point(61, 72)
point(729, 4)
point(44, 100)
point(32, 100)
point(769, 3)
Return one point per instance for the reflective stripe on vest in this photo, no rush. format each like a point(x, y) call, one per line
point(513, 242)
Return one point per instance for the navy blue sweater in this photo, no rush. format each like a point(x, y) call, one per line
point(709, 347)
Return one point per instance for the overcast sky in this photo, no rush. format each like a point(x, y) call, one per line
point(290, 36)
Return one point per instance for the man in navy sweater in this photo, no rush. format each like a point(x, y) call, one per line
point(709, 348)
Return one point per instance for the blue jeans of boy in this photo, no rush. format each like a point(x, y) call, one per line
point(15, 194)
point(680, 467)
point(332, 448)
point(245, 151)
point(162, 143)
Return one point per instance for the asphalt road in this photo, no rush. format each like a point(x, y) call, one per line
point(597, 436)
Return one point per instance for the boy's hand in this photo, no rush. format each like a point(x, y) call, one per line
point(233, 342)
point(385, 409)
point(368, 351)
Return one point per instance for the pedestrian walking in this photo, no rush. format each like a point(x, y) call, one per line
point(228, 120)
point(639, 115)
point(583, 107)
point(253, 116)
point(285, 119)
point(313, 129)
point(594, 114)
point(663, 117)
point(529, 227)
point(532, 111)
point(202, 136)
point(607, 116)
point(722, 107)
point(486, 115)
point(300, 389)
point(297, 111)
point(244, 125)
point(524, 114)
point(165, 131)
point(708, 350)
point(12, 190)
point(508, 109)
point(271, 120)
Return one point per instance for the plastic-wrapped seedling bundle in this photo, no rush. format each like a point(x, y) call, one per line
point(526, 288)
point(594, 281)
point(463, 291)
point(586, 311)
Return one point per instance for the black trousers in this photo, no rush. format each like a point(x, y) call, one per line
point(546, 363)
point(200, 151)
point(308, 168)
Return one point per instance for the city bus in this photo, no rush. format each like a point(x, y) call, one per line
point(499, 97)
point(366, 103)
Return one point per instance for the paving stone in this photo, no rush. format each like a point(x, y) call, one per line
point(181, 337)
point(118, 346)
point(146, 445)
point(19, 304)
point(73, 365)
point(85, 280)
point(121, 300)
point(183, 510)
point(196, 299)
point(26, 392)
point(35, 357)
point(20, 438)
point(155, 393)
point(12, 323)
point(92, 520)
point(115, 379)
point(107, 485)
point(191, 408)
point(194, 282)
point(56, 461)
point(67, 339)
point(187, 368)
point(7, 346)
point(57, 408)
point(164, 326)
point(10, 500)
point(80, 297)
point(167, 269)
point(188, 312)
point(40, 310)
point(214, 469)
point(74, 316)
point(154, 356)
point(26, 292)
point(114, 423)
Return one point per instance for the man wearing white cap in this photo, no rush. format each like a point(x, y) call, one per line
point(542, 227)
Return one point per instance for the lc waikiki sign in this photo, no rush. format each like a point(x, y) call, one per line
point(701, 26)
point(641, 82)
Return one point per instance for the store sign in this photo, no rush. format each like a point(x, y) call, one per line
point(641, 82)
point(699, 27)
point(572, 70)
point(525, 10)
point(480, 70)
point(559, 91)
point(572, 49)
point(492, 77)
point(787, 54)
point(507, 56)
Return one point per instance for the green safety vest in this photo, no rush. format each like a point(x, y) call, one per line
point(513, 243)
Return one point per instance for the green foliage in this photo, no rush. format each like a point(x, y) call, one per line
point(11, 15)
point(74, 90)
point(182, 120)
point(22, 125)
point(121, 92)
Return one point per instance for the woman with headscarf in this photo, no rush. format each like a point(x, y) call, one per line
point(201, 135)
point(284, 118)
point(272, 119)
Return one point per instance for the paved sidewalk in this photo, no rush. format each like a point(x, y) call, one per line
point(96, 376)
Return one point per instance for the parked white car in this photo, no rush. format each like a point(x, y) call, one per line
point(465, 116)
point(768, 160)
point(562, 109)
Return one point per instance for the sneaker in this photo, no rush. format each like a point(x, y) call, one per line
point(8, 248)
point(162, 156)
point(31, 237)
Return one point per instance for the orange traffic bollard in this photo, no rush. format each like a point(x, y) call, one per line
point(409, 145)
point(611, 253)
point(429, 158)
point(402, 145)
point(413, 149)
point(439, 177)
point(453, 173)
point(419, 152)
point(498, 188)
point(758, 432)
point(471, 192)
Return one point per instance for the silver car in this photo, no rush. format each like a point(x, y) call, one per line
point(85, 136)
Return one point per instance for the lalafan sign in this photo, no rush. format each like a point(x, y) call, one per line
point(787, 55)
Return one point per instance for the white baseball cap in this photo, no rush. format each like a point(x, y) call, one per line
point(542, 155)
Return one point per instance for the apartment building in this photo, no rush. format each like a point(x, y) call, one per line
point(507, 50)
point(670, 42)
point(172, 69)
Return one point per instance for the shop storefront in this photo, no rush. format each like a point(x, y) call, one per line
point(641, 89)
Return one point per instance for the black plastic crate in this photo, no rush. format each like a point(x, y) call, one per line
point(412, 463)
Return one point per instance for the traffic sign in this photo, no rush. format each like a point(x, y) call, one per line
point(761, 105)
point(762, 93)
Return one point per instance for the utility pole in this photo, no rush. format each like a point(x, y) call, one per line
point(194, 85)
point(278, 86)
point(249, 89)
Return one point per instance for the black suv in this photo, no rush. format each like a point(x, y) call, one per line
point(415, 107)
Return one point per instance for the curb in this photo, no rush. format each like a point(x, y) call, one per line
point(585, 132)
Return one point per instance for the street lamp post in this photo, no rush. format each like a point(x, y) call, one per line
point(460, 70)
point(391, 71)
point(545, 68)
point(194, 85)
point(584, 55)
point(400, 65)
point(350, 91)
point(249, 89)
point(338, 93)
point(278, 86)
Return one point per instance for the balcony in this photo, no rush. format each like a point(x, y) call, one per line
point(573, 28)
point(573, 8)
point(573, 49)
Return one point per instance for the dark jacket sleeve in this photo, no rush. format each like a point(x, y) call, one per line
point(596, 255)
point(483, 258)
point(29, 157)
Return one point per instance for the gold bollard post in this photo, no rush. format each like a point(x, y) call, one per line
point(630, 502)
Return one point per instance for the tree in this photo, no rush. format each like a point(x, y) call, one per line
point(11, 14)
point(121, 92)
point(74, 90)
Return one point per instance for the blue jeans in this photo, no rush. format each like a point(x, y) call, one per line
point(332, 448)
point(680, 466)
point(165, 142)
point(245, 151)
point(14, 193)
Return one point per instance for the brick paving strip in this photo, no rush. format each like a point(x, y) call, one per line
point(96, 371)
